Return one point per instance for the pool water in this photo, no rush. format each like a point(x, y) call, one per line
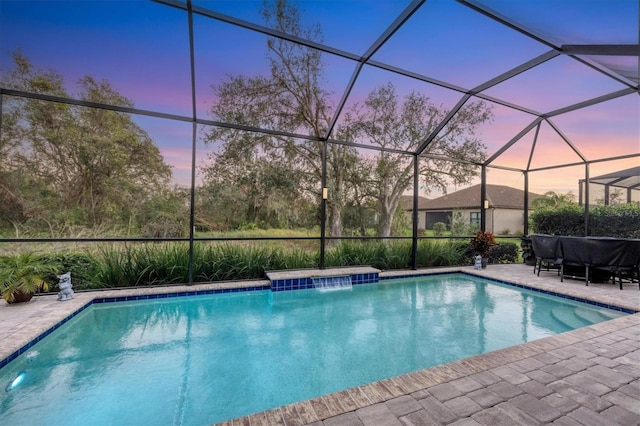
point(203, 359)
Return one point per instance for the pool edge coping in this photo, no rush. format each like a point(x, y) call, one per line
point(331, 405)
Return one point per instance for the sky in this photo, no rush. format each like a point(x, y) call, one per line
point(142, 49)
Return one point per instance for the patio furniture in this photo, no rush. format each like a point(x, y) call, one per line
point(629, 266)
point(616, 256)
point(548, 253)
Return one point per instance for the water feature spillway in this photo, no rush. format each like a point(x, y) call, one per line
point(332, 283)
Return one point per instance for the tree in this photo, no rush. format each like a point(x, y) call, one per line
point(81, 166)
point(388, 122)
point(460, 224)
point(290, 99)
point(552, 200)
point(616, 196)
point(250, 189)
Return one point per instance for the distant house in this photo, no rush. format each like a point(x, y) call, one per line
point(406, 203)
point(505, 212)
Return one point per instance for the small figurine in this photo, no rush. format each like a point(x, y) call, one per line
point(478, 262)
point(66, 293)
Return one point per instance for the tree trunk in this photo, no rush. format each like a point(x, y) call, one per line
point(386, 220)
point(335, 222)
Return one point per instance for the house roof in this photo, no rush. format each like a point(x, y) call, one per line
point(406, 202)
point(499, 196)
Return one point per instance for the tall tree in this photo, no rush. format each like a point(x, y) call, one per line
point(85, 166)
point(388, 122)
point(290, 99)
point(552, 200)
point(249, 189)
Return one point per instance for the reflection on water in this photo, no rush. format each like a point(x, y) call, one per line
point(198, 360)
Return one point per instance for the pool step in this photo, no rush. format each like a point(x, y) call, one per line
point(567, 316)
point(594, 316)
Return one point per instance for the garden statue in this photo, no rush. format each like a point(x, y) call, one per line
point(478, 262)
point(66, 293)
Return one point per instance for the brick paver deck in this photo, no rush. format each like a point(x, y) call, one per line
point(589, 376)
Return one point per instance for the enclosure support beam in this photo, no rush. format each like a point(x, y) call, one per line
point(586, 200)
point(483, 199)
point(323, 205)
point(424, 145)
point(416, 194)
point(515, 139)
point(194, 138)
point(525, 229)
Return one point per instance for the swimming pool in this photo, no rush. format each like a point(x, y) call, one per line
point(197, 360)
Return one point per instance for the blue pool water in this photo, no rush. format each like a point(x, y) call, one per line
point(203, 359)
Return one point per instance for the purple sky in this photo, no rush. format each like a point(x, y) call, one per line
point(142, 49)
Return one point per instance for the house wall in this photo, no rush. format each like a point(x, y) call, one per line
point(504, 219)
point(497, 220)
point(421, 218)
point(447, 216)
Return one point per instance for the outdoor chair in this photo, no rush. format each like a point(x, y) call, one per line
point(548, 253)
point(629, 266)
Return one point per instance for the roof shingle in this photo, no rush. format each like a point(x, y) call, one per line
point(499, 196)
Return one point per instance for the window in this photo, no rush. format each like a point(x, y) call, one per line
point(474, 218)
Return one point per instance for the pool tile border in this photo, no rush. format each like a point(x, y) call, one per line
point(305, 283)
point(42, 335)
point(176, 294)
point(302, 279)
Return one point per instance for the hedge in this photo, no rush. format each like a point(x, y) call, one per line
point(621, 220)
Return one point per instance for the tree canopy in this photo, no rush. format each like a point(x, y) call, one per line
point(291, 99)
point(71, 166)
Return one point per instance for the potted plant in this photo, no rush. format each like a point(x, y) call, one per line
point(481, 244)
point(528, 256)
point(22, 275)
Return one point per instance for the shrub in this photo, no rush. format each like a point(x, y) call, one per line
point(504, 253)
point(482, 243)
point(83, 267)
point(528, 256)
point(248, 226)
point(439, 228)
point(295, 258)
point(439, 253)
point(620, 220)
point(165, 226)
point(354, 253)
point(399, 255)
point(148, 264)
point(161, 264)
point(567, 220)
point(460, 225)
